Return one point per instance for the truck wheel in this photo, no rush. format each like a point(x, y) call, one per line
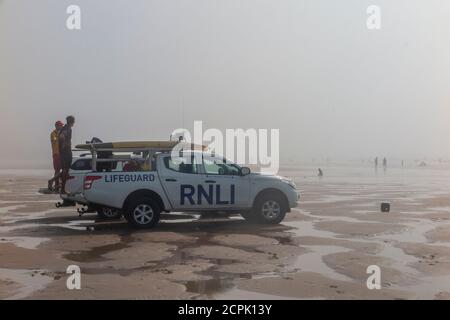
point(143, 213)
point(269, 209)
point(109, 213)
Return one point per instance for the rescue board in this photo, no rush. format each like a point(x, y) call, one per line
point(163, 145)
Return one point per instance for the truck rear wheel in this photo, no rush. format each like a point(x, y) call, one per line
point(268, 209)
point(109, 213)
point(142, 213)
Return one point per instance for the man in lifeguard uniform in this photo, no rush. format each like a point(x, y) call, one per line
point(54, 140)
point(65, 150)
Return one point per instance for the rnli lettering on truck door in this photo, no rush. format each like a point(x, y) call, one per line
point(202, 195)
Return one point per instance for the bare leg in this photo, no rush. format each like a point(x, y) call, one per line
point(55, 179)
point(64, 175)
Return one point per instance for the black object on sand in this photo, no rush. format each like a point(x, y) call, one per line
point(385, 207)
point(47, 191)
point(65, 203)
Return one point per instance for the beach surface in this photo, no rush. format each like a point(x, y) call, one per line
point(321, 250)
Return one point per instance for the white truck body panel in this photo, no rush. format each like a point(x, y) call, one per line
point(81, 166)
point(188, 189)
point(113, 188)
point(74, 185)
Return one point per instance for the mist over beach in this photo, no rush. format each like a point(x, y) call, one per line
point(311, 69)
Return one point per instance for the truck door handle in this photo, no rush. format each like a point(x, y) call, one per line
point(171, 180)
point(210, 181)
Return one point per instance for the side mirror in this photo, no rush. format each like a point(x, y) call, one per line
point(245, 171)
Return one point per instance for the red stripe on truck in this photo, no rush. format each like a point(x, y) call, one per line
point(89, 181)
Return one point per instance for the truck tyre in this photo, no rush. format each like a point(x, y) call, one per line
point(268, 209)
point(142, 213)
point(109, 213)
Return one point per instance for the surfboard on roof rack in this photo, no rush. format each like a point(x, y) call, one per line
point(161, 145)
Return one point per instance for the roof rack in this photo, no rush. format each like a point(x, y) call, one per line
point(152, 147)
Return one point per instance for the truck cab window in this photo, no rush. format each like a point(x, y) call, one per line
point(82, 164)
point(219, 166)
point(181, 164)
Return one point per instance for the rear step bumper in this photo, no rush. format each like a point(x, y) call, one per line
point(75, 197)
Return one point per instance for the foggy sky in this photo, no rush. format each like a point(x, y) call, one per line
point(139, 69)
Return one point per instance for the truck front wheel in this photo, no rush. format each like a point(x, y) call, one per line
point(268, 209)
point(142, 213)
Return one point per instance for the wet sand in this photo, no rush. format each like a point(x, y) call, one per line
point(321, 250)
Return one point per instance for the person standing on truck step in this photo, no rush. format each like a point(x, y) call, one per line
point(54, 140)
point(65, 150)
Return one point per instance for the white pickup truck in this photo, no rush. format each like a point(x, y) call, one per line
point(197, 181)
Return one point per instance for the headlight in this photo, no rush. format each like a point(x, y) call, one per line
point(290, 183)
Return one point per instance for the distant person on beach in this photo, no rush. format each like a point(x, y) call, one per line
point(65, 150)
point(320, 174)
point(54, 140)
point(376, 162)
point(384, 163)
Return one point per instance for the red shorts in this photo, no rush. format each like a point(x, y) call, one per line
point(56, 162)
